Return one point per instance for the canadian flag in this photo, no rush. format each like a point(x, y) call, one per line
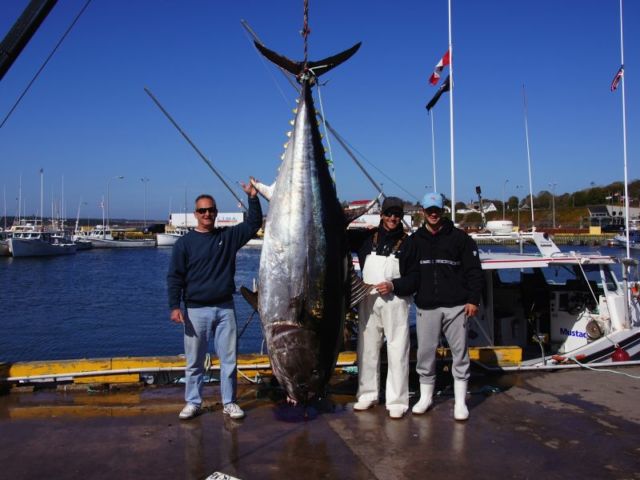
point(435, 76)
point(617, 78)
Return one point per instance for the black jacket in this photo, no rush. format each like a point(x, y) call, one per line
point(442, 269)
point(361, 242)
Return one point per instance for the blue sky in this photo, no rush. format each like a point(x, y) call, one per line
point(87, 118)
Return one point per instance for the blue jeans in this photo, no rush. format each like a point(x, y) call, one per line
point(199, 325)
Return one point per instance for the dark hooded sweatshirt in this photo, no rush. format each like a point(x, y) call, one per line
point(442, 269)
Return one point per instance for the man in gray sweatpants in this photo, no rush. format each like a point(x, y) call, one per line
point(440, 264)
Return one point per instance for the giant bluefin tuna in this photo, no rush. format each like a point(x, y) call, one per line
point(304, 265)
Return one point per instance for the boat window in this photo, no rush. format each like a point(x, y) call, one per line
point(512, 276)
point(595, 275)
point(559, 274)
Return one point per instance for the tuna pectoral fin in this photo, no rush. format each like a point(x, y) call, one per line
point(359, 289)
point(250, 296)
point(265, 190)
point(352, 214)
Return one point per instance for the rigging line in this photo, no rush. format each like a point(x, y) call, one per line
point(255, 37)
point(249, 34)
point(346, 144)
point(24, 92)
point(324, 124)
point(342, 142)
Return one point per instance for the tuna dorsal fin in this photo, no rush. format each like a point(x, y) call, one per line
point(265, 190)
point(297, 68)
point(351, 215)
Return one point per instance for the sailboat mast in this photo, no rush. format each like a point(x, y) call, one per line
point(41, 196)
point(453, 162)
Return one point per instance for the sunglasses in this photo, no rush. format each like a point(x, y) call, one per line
point(433, 211)
point(392, 214)
point(202, 211)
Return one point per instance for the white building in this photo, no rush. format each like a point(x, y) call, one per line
point(224, 219)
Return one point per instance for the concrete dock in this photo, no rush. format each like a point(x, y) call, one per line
point(564, 424)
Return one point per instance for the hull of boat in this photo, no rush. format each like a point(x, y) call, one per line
point(167, 239)
point(105, 243)
point(4, 248)
point(38, 248)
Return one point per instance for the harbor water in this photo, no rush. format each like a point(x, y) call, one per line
point(112, 302)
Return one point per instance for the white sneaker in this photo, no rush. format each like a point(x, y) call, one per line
point(396, 411)
point(361, 405)
point(189, 411)
point(233, 410)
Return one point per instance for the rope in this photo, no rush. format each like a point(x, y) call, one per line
point(584, 365)
point(326, 134)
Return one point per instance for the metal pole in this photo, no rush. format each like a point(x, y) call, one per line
point(145, 181)
point(451, 143)
point(118, 177)
point(504, 189)
point(433, 152)
point(553, 201)
point(186, 137)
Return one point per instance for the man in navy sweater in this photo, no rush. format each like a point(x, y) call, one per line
point(201, 274)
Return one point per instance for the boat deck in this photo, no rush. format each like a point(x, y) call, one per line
point(567, 424)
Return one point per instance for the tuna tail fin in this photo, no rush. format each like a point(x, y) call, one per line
point(298, 68)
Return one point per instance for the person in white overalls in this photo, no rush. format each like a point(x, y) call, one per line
point(383, 316)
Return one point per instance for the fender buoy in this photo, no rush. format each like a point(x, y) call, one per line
point(620, 355)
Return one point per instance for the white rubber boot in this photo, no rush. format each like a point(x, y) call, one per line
point(460, 410)
point(426, 399)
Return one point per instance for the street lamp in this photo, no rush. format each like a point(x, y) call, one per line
point(118, 177)
point(553, 203)
point(145, 181)
point(504, 188)
point(518, 187)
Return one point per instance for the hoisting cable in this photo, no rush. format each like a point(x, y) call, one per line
point(24, 92)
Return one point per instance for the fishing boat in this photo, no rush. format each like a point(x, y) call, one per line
point(102, 236)
point(33, 240)
point(547, 308)
point(169, 238)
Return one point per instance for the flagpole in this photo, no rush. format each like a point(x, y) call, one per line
point(526, 132)
point(453, 163)
point(433, 153)
point(624, 137)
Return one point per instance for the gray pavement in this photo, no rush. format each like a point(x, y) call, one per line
point(566, 424)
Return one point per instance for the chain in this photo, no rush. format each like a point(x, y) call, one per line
point(305, 30)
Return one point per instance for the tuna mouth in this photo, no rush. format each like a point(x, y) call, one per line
point(294, 358)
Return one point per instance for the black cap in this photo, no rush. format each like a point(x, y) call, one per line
point(393, 204)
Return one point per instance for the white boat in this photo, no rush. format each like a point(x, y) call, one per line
point(32, 240)
point(621, 240)
point(169, 238)
point(102, 237)
point(549, 309)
